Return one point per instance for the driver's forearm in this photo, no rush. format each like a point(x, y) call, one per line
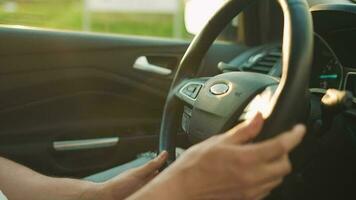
point(167, 185)
point(18, 182)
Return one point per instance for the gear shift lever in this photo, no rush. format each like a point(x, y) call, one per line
point(334, 102)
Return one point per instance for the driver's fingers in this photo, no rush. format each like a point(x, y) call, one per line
point(245, 131)
point(273, 170)
point(261, 191)
point(277, 147)
point(150, 176)
point(152, 166)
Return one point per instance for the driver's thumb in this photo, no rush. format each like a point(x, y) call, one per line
point(152, 166)
point(246, 131)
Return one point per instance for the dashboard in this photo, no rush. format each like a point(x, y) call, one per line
point(327, 71)
point(334, 60)
point(334, 63)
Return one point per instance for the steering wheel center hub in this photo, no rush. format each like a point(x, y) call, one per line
point(222, 100)
point(219, 89)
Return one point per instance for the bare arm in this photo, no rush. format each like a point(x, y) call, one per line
point(18, 182)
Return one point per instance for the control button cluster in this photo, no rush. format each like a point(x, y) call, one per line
point(192, 90)
point(187, 114)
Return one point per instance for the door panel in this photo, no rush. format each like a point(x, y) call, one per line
point(70, 87)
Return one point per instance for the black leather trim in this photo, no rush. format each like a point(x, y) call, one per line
point(291, 98)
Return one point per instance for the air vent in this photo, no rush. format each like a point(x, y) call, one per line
point(263, 62)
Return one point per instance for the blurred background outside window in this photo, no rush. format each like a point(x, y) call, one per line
point(158, 18)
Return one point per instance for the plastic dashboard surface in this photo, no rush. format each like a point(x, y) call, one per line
point(336, 24)
point(334, 64)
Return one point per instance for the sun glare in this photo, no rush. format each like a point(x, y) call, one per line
point(196, 15)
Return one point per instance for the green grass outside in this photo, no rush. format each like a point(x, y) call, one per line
point(68, 14)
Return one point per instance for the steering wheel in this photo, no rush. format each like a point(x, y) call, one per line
point(205, 106)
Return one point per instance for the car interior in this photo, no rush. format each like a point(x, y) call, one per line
point(92, 105)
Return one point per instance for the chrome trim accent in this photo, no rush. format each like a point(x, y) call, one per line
point(219, 89)
point(142, 64)
point(71, 145)
point(317, 90)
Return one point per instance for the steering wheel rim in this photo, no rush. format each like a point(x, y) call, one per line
point(291, 93)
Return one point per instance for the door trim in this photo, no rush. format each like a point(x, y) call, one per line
point(72, 145)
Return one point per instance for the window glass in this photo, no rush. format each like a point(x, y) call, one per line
point(161, 18)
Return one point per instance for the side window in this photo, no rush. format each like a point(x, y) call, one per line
point(159, 18)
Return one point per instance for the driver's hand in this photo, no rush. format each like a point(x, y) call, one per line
point(132, 180)
point(227, 166)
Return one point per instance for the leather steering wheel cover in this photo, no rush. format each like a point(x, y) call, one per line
point(290, 99)
point(297, 58)
point(291, 95)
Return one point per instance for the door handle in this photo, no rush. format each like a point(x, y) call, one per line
point(71, 145)
point(142, 64)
